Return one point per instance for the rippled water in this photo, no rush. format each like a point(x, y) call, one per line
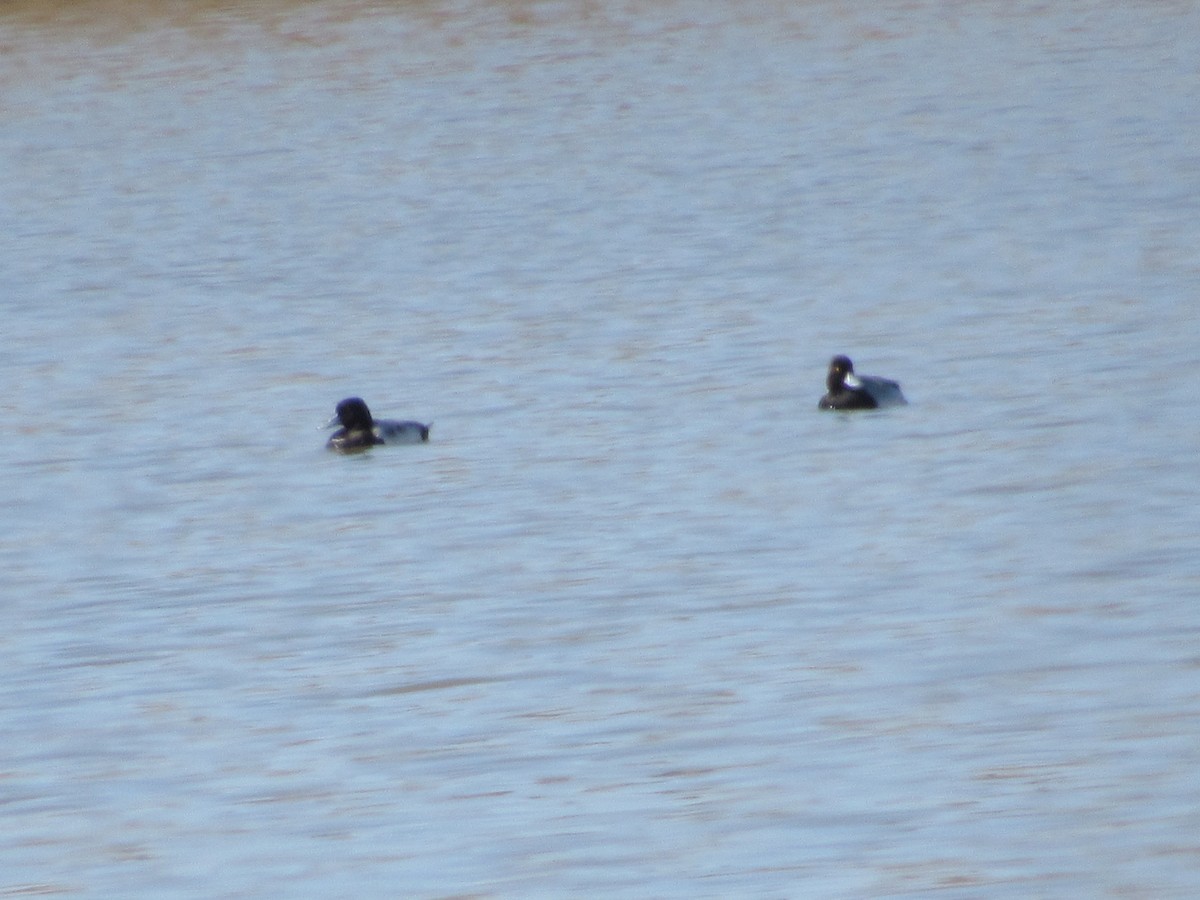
point(639, 620)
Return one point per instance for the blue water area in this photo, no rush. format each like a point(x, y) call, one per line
point(639, 620)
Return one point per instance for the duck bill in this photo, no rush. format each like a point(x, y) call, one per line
point(853, 381)
point(332, 423)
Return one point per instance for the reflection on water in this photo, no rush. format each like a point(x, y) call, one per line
point(638, 619)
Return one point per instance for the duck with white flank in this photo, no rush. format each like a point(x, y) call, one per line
point(359, 430)
point(848, 391)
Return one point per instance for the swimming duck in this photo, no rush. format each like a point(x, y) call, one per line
point(849, 391)
point(360, 430)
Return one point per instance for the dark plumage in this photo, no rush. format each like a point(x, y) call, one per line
point(359, 430)
point(846, 391)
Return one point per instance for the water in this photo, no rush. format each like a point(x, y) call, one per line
point(639, 620)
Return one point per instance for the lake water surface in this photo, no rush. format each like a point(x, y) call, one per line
point(638, 621)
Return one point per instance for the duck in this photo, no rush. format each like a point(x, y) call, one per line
point(847, 391)
point(359, 430)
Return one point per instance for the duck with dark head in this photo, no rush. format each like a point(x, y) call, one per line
point(847, 391)
point(359, 430)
